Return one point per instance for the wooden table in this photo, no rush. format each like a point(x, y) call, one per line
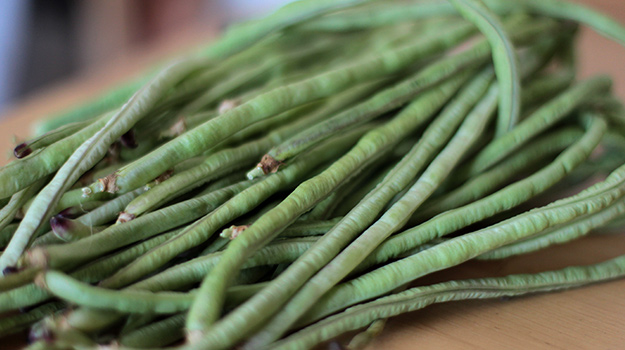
point(586, 318)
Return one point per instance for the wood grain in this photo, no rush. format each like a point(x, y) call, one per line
point(586, 318)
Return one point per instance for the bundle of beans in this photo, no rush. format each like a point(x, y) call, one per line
point(393, 139)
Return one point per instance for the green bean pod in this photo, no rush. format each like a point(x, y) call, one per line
point(299, 201)
point(72, 254)
point(417, 298)
point(278, 100)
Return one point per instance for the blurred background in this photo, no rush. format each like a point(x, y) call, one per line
point(43, 41)
point(71, 50)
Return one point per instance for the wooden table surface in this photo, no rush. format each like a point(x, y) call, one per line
point(586, 318)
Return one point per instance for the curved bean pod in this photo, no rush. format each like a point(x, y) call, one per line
point(72, 254)
point(278, 100)
point(416, 113)
point(240, 204)
point(559, 235)
point(486, 182)
point(417, 298)
point(468, 246)
point(391, 221)
point(546, 116)
point(508, 197)
point(504, 60)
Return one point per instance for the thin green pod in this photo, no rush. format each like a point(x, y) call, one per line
point(7, 213)
point(278, 100)
point(16, 175)
point(417, 298)
point(506, 198)
point(388, 99)
point(192, 271)
point(545, 117)
point(157, 334)
point(29, 294)
point(17, 279)
point(393, 13)
point(544, 87)
point(603, 24)
point(16, 323)
point(6, 233)
point(72, 254)
point(277, 64)
point(504, 60)
point(72, 290)
point(490, 180)
point(297, 203)
point(390, 221)
point(378, 15)
point(89, 153)
point(559, 235)
point(310, 228)
point(213, 166)
point(238, 205)
point(26, 148)
point(384, 101)
point(468, 246)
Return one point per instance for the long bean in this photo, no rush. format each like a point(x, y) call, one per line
point(383, 163)
point(539, 219)
point(299, 201)
point(72, 254)
point(29, 294)
point(508, 197)
point(16, 323)
point(391, 220)
point(546, 116)
point(26, 148)
point(467, 246)
point(419, 111)
point(417, 298)
point(238, 205)
point(272, 297)
point(504, 60)
point(278, 100)
point(7, 213)
point(214, 165)
point(157, 334)
point(484, 183)
point(89, 153)
point(382, 102)
point(18, 174)
point(559, 235)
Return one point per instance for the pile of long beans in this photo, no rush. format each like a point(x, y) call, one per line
point(288, 183)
